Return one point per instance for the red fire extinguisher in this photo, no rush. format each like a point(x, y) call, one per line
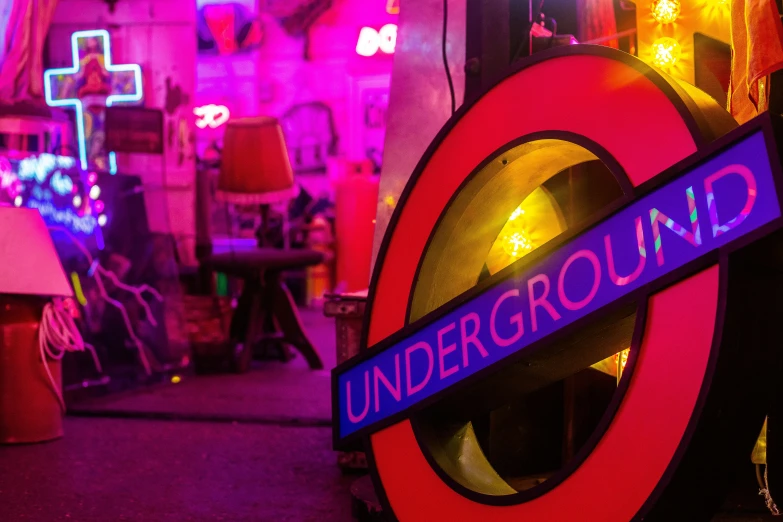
point(356, 205)
point(31, 275)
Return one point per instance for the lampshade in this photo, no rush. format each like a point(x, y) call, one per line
point(255, 168)
point(29, 264)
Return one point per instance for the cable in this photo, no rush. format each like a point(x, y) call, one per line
point(554, 31)
point(445, 59)
point(58, 334)
point(526, 41)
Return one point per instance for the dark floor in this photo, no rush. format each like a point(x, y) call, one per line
point(253, 447)
point(276, 464)
point(141, 470)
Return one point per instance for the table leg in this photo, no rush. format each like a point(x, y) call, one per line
point(290, 323)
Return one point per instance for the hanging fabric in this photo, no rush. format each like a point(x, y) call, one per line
point(596, 20)
point(25, 24)
point(757, 52)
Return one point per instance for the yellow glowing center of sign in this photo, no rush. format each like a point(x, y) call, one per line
point(666, 52)
point(665, 11)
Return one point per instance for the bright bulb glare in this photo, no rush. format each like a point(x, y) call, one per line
point(517, 244)
point(666, 52)
point(95, 192)
point(102, 220)
point(665, 11)
point(77, 201)
point(518, 212)
point(18, 201)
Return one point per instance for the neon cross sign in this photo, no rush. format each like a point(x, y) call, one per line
point(92, 76)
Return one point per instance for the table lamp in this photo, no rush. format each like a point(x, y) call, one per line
point(29, 264)
point(255, 168)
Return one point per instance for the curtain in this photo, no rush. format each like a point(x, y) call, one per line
point(25, 24)
point(596, 20)
point(757, 52)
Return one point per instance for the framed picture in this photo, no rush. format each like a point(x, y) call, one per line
point(369, 102)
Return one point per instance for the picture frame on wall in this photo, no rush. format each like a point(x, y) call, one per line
point(369, 102)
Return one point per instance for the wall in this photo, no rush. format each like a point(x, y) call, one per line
point(160, 36)
point(288, 69)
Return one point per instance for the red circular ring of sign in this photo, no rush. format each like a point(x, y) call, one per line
point(637, 116)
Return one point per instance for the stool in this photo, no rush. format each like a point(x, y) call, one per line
point(266, 313)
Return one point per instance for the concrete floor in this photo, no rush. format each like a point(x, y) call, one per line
point(141, 470)
point(274, 463)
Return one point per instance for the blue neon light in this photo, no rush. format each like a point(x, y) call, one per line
point(76, 103)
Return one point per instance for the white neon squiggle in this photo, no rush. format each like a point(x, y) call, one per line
point(98, 272)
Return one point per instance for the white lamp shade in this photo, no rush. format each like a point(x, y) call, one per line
point(29, 264)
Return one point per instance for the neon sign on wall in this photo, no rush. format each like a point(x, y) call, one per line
point(371, 41)
point(57, 188)
point(568, 285)
point(89, 86)
point(212, 116)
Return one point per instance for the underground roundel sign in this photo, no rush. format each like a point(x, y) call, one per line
point(671, 250)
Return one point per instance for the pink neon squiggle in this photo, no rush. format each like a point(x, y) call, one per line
point(747, 175)
point(656, 217)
